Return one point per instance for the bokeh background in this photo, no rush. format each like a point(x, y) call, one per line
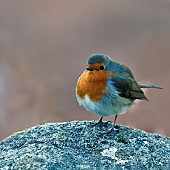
point(44, 47)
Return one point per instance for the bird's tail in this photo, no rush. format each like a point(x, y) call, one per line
point(143, 85)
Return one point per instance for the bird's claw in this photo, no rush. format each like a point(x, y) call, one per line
point(114, 130)
point(100, 124)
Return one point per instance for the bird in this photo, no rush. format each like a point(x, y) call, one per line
point(108, 87)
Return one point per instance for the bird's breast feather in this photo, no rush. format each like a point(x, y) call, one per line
point(93, 84)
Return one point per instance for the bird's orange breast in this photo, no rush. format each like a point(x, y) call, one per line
point(93, 84)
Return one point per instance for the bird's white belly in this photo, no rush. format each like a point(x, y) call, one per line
point(117, 106)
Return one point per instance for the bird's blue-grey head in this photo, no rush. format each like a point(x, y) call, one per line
point(98, 59)
point(108, 64)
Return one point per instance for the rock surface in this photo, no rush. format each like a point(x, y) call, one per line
point(76, 145)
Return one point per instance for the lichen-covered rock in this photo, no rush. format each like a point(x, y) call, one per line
point(76, 145)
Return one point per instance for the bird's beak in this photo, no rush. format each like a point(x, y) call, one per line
point(90, 68)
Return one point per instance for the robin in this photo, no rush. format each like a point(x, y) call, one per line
point(108, 87)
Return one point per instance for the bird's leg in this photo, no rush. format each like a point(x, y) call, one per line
point(99, 123)
point(114, 127)
point(114, 121)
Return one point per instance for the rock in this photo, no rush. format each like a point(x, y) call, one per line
point(77, 145)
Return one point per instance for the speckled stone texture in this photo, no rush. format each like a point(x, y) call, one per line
point(77, 145)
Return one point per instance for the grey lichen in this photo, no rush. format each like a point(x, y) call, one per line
point(77, 145)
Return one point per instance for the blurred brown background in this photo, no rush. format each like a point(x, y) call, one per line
point(44, 46)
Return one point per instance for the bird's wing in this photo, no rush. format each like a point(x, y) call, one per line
point(127, 88)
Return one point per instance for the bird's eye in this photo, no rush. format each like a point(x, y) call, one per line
point(102, 67)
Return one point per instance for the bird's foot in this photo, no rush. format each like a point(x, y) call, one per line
point(101, 124)
point(114, 130)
